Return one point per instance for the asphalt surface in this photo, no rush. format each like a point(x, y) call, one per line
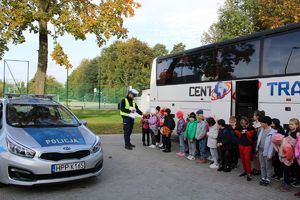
point(145, 173)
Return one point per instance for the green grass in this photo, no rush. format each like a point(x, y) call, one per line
point(105, 121)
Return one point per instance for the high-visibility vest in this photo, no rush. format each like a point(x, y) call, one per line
point(127, 106)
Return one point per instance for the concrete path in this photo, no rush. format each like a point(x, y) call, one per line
point(149, 174)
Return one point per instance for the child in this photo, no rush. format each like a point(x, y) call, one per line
point(166, 130)
point(256, 124)
point(224, 144)
point(278, 166)
point(256, 116)
point(235, 148)
point(201, 136)
point(160, 116)
point(286, 153)
point(212, 135)
point(181, 125)
point(153, 125)
point(145, 128)
point(265, 149)
point(245, 134)
point(297, 156)
point(189, 135)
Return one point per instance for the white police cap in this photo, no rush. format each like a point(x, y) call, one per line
point(133, 91)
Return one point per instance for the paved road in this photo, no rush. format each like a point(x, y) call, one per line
point(148, 174)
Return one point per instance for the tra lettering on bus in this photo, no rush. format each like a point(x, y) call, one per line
point(284, 88)
point(200, 91)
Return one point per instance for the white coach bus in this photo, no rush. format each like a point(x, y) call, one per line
point(235, 77)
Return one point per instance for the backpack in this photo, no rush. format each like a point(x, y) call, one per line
point(233, 137)
point(172, 124)
point(184, 125)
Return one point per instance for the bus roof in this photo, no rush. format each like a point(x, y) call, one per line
point(252, 36)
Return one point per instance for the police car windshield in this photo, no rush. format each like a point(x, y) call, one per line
point(31, 115)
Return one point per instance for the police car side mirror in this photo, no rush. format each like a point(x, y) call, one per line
point(83, 122)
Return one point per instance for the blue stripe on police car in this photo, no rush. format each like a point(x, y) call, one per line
point(56, 136)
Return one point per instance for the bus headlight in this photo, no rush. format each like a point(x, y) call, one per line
point(19, 150)
point(97, 146)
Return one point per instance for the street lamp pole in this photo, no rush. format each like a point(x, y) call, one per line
point(67, 102)
point(99, 88)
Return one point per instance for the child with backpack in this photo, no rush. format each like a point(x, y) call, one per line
point(235, 148)
point(224, 145)
point(160, 116)
point(278, 166)
point(181, 125)
point(265, 149)
point(189, 135)
point(153, 125)
point(246, 136)
point(297, 156)
point(166, 130)
point(201, 136)
point(257, 125)
point(287, 154)
point(145, 128)
point(212, 136)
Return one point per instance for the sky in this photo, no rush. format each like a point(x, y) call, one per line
point(157, 21)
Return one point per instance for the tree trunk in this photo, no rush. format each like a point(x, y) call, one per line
point(40, 75)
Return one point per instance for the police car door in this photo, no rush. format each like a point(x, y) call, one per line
point(221, 100)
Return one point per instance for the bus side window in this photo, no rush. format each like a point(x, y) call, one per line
point(277, 50)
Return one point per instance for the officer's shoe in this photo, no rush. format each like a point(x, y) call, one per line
point(128, 147)
point(131, 145)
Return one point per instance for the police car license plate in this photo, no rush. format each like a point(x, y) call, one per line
point(68, 167)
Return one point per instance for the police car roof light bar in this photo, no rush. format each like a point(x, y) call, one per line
point(11, 96)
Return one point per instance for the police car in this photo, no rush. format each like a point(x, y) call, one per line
point(42, 142)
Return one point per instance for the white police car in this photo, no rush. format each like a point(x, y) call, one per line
point(41, 141)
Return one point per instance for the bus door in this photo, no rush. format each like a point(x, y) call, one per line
point(221, 100)
point(246, 98)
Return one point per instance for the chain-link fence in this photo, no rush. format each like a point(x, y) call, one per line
point(107, 98)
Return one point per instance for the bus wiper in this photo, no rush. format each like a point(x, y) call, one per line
point(288, 61)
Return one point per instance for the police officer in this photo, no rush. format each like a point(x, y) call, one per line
point(127, 108)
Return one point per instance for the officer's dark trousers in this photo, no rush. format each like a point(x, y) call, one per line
point(127, 128)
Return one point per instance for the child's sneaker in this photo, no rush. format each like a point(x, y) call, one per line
point(297, 194)
point(285, 188)
point(180, 154)
point(152, 146)
point(296, 184)
point(213, 166)
point(160, 146)
point(201, 161)
point(189, 157)
point(210, 158)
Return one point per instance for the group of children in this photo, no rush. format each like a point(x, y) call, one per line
point(159, 125)
point(262, 145)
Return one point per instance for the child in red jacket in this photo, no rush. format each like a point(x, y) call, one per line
point(246, 138)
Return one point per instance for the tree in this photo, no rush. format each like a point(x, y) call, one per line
point(160, 50)
point(178, 48)
point(274, 14)
point(84, 79)
point(52, 86)
point(236, 18)
point(77, 18)
point(126, 63)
